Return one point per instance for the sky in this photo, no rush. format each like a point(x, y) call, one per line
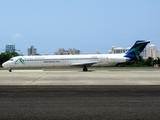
point(88, 25)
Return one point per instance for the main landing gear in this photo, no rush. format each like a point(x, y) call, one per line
point(85, 68)
point(10, 70)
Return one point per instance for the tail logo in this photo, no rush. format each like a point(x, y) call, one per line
point(136, 49)
point(137, 52)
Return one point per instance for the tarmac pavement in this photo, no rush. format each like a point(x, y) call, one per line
point(79, 102)
point(77, 95)
point(53, 78)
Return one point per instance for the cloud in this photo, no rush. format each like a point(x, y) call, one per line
point(15, 36)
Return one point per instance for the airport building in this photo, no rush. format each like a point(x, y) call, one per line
point(32, 51)
point(150, 51)
point(62, 51)
point(10, 48)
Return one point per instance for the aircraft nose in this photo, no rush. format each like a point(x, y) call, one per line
point(4, 65)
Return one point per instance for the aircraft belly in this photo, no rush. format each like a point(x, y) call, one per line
point(105, 64)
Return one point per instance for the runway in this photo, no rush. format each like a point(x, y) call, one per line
point(77, 95)
point(58, 78)
point(79, 102)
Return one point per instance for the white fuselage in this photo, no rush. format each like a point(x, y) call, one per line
point(65, 60)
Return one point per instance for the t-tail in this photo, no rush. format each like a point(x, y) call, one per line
point(136, 49)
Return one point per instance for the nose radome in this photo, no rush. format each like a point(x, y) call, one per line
point(4, 65)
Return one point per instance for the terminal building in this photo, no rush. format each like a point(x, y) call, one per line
point(150, 51)
point(71, 51)
point(32, 51)
point(10, 48)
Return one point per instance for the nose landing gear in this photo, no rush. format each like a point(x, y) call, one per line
point(10, 70)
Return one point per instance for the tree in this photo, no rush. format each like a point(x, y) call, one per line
point(141, 63)
point(158, 60)
point(149, 61)
point(6, 56)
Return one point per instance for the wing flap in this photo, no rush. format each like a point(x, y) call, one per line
point(84, 63)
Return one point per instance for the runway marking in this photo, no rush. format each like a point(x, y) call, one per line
point(37, 79)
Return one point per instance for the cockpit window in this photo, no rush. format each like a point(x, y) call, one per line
point(11, 59)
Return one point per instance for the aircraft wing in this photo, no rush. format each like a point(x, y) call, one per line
point(85, 63)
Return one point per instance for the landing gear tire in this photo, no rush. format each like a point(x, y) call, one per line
point(85, 68)
point(10, 70)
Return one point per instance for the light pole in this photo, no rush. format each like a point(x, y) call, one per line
point(20, 51)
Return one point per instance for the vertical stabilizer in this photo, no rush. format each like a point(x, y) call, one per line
point(136, 49)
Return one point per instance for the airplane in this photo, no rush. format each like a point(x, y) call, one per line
point(83, 61)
